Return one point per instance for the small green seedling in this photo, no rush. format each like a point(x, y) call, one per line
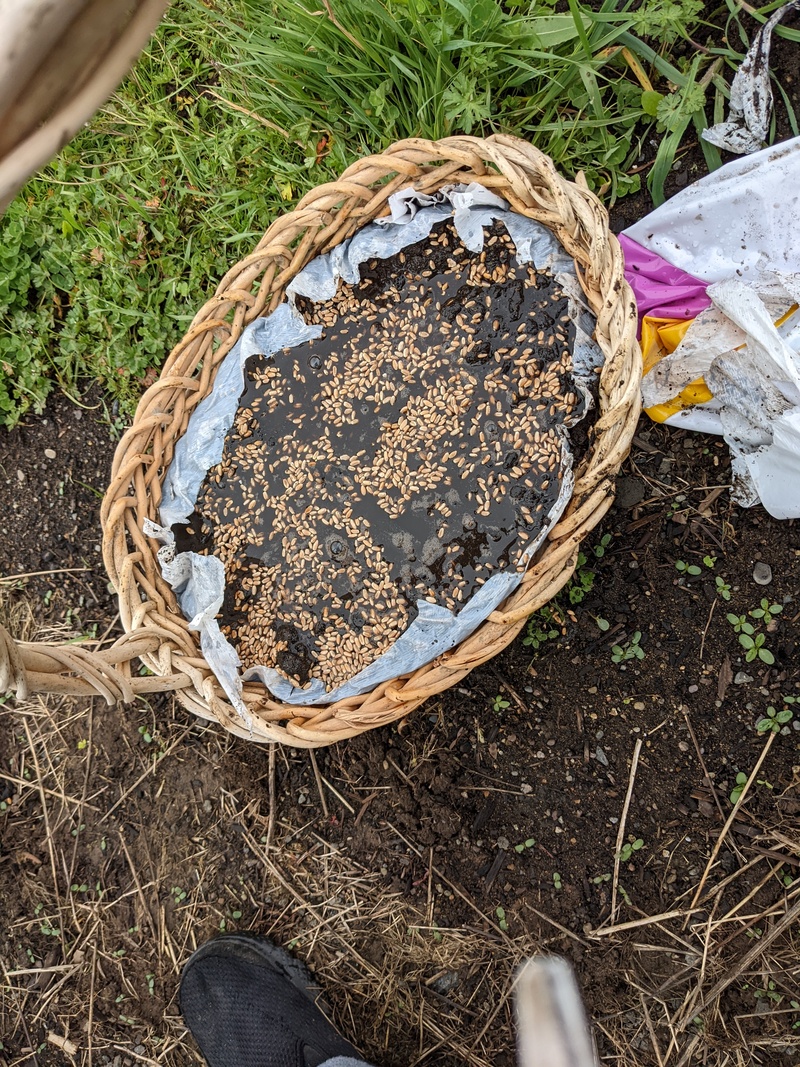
point(628, 849)
point(766, 612)
point(723, 589)
point(556, 880)
point(774, 721)
point(688, 568)
point(754, 648)
point(738, 789)
point(740, 623)
point(710, 562)
point(630, 650)
point(770, 993)
point(500, 703)
point(501, 918)
point(602, 624)
point(529, 843)
point(600, 878)
point(582, 582)
point(540, 629)
point(600, 550)
point(178, 894)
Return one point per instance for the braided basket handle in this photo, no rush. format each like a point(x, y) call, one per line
point(72, 670)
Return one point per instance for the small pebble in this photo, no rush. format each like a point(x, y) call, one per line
point(600, 756)
point(740, 678)
point(21, 477)
point(50, 453)
point(762, 573)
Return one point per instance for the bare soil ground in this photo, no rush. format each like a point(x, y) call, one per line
point(416, 865)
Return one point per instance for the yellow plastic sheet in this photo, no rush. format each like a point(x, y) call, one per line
point(660, 337)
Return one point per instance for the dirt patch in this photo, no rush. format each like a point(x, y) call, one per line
point(426, 859)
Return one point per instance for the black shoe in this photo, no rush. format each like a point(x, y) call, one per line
point(249, 1003)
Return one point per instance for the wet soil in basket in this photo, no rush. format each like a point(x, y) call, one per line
point(504, 793)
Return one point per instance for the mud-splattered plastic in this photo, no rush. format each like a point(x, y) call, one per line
point(724, 253)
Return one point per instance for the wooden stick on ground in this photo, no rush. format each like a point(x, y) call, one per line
point(621, 832)
point(731, 817)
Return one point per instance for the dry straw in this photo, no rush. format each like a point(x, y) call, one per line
point(156, 632)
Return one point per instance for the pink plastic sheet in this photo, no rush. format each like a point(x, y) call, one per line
point(660, 289)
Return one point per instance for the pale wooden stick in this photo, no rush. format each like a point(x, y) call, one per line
point(552, 1030)
point(623, 820)
point(731, 817)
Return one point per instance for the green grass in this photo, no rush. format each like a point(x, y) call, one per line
point(240, 106)
point(369, 72)
point(107, 253)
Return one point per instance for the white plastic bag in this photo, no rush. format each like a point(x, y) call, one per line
point(736, 231)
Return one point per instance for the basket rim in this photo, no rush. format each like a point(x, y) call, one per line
point(155, 629)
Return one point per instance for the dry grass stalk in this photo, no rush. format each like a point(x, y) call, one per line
point(392, 966)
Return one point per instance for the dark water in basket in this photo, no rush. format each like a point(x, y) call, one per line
point(408, 454)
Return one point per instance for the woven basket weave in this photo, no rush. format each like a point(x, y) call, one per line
point(156, 631)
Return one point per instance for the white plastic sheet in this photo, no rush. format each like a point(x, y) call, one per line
point(737, 230)
point(199, 580)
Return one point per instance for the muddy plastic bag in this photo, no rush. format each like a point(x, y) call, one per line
point(199, 581)
point(716, 271)
point(750, 109)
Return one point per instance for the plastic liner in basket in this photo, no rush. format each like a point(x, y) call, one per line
point(199, 580)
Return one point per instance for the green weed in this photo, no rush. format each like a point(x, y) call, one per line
point(107, 252)
point(766, 612)
point(723, 588)
point(377, 71)
point(630, 650)
point(754, 648)
point(540, 629)
point(629, 848)
point(738, 789)
point(773, 721)
point(528, 843)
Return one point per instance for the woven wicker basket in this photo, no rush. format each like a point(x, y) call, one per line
point(156, 632)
